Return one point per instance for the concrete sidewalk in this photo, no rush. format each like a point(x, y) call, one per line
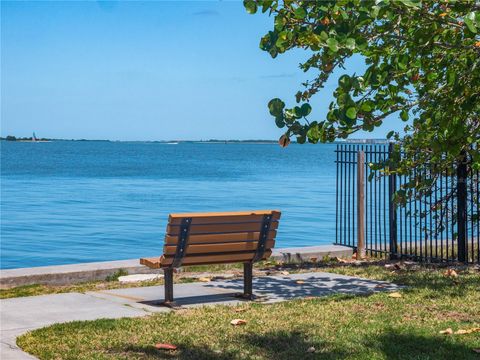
point(20, 315)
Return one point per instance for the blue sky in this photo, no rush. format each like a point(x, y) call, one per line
point(144, 71)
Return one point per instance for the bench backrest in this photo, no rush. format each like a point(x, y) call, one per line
point(223, 237)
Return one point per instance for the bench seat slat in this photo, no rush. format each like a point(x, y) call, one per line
point(218, 248)
point(176, 219)
point(220, 228)
point(153, 262)
point(214, 259)
point(220, 238)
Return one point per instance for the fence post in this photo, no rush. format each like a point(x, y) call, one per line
point(392, 210)
point(360, 205)
point(462, 209)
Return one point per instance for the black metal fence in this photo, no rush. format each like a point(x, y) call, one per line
point(439, 226)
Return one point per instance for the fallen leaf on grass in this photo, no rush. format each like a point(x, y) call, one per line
point(394, 266)
point(448, 331)
point(311, 349)
point(300, 282)
point(285, 273)
point(450, 273)
point(395, 295)
point(165, 346)
point(236, 322)
point(204, 279)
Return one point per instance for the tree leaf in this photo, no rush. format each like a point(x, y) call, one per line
point(306, 109)
point(450, 273)
point(275, 106)
point(469, 21)
point(250, 6)
point(448, 331)
point(395, 295)
point(284, 141)
point(332, 44)
point(279, 121)
point(350, 43)
point(351, 113)
point(165, 346)
point(300, 13)
point(345, 82)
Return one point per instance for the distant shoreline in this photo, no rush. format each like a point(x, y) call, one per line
point(174, 142)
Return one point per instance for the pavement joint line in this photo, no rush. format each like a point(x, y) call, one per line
point(128, 297)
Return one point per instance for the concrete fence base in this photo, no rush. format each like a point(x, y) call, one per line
point(76, 273)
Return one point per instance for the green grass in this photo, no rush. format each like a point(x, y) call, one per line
point(338, 327)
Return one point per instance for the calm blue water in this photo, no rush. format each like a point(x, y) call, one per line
point(71, 202)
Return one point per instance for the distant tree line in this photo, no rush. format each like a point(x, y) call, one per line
point(14, 138)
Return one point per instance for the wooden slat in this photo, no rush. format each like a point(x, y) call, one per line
point(223, 217)
point(214, 259)
point(153, 263)
point(220, 228)
point(223, 213)
point(220, 238)
point(218, 248)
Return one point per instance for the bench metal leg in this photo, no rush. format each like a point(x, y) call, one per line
point(168, 286)
point(247, 280)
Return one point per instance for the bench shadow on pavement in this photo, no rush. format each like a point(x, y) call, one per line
point(278, 288)
point(288, 288)
point(196, 300)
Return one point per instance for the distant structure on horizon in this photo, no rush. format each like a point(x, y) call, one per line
point(366, 141)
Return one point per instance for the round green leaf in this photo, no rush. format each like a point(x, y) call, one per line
point(367, 106)
point(300, 13)
point(250, 6)
point(350, 43)
point(332, 44)
point(351, 113)
point(345, 82)
point(279, 121)
point(275, 106)
point(305, 109)
point(469, 21)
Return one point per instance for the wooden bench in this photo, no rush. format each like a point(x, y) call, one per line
point(216, 238)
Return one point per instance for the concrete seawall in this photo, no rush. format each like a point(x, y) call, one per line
point(76, 273)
